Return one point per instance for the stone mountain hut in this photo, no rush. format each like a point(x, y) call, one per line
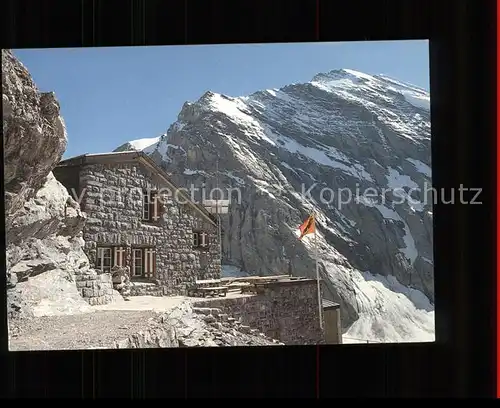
point(137, 218)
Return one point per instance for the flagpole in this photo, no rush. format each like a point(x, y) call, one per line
point(320, 302)
point(219, 229)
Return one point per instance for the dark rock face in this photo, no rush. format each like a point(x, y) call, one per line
point(43, 223)
point(34, 135)
point(282, 153)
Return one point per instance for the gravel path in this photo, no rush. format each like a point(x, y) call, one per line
point(91, 330)
point(123, 321)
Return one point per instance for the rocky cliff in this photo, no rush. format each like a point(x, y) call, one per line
point(352, 147)
point(43, 223)
point(46, 265)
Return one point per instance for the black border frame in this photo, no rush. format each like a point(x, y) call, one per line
point(463, 84)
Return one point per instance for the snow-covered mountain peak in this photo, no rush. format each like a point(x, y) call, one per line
point(372, 89)
point(343, 74)
point(207, 97)
point(343, 131)
point(400, 106)
point(142, 144)
point(351, 77)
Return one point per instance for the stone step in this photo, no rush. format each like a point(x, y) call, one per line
point(216, 312)
point(202, 310)
point(209, 318)
point(218, 325)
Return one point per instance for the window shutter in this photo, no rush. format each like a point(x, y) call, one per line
point(203, 239)
point(116, 254)
point(153, 270)
point(151, 262)
point(148, 262)
point(99, 259)
point(155, 203)
point(133, 262)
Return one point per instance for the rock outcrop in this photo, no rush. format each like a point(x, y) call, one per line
point(185, 326)
point(121, 281)
point(43, 223)
point(34, 135)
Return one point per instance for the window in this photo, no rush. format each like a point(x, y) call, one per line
point(107, 257)
point(104, 260)
point(149, 262)
point(143, 262)
point(137, 262)
point(151, 206)
point(200, 239)
point(118, 256)
point(146, 205)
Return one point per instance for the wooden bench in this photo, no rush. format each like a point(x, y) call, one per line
point(208, 283)
point(240, 287)
point(214, 291)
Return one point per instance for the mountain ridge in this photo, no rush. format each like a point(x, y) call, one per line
point(341, 130)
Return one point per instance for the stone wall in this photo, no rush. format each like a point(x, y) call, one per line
point(95, 289)
point(286, 311)
point(145, 289)
point(111, 196)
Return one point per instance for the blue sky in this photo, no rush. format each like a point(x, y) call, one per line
point(111, 95)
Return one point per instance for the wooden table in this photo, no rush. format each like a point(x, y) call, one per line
point(211, 291)
point(271, 278)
